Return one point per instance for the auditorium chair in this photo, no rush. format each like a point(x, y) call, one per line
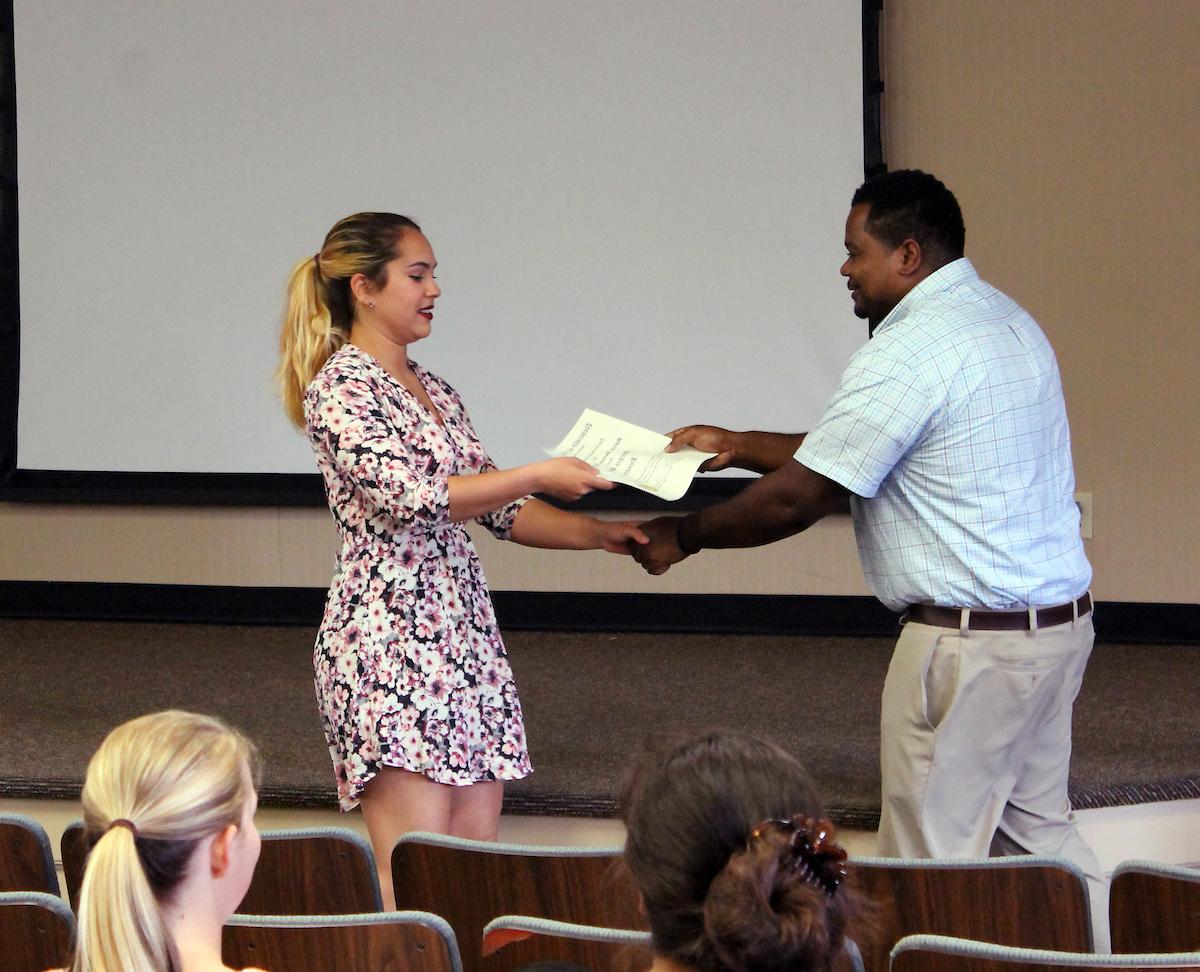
point(37, 931)
point(1154, 908)
point(404, 941)
point(942, 953)
point(26, 860)
point(318, 871)
point(526, 940)
point(73, 849)
point(470, 882)
point(1028, 901)
point(516, 941)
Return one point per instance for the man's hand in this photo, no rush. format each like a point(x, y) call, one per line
point(662, 551)
point(706, 438)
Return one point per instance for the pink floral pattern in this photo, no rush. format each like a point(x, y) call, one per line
point(409, 664)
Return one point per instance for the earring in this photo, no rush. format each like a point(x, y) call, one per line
point(371, 304)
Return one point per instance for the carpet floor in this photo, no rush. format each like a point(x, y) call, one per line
point(591, 701)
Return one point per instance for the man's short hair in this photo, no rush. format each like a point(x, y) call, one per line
point(911, 204)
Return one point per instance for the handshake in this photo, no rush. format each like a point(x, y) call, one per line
point(655, 544)
point(661, 547)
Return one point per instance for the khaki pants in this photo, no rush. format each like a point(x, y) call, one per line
point(976, 747)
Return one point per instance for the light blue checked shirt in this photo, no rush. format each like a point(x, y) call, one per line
point(949, 428)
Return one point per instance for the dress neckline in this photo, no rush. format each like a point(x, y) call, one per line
point(435, 413)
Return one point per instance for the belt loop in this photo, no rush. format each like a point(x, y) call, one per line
point(964, 621)
point(1033, 625)
point(1075, 611)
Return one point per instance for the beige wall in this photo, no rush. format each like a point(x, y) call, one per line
point(1070, 131)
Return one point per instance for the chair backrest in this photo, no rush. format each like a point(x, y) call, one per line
point(1031, 902)
point(318, 871)
point(37, 931)
point(471, 882)
point(26, 860)
point(74, 850)
point(939, 953)
point(516, 941)
point(1154, 908)
point(406, 941)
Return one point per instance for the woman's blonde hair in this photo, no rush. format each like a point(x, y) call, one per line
point(156, 786)
point(320, 307)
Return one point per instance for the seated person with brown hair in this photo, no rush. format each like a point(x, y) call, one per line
point(737, 869)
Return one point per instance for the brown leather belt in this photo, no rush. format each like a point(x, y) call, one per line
point(981, 620)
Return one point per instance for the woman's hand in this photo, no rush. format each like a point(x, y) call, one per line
point(567, 478)
point(706, 438)
point(618, 536)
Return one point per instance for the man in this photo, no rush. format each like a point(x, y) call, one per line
point(948, 439)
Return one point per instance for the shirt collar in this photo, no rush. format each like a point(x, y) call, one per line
point(942, 279)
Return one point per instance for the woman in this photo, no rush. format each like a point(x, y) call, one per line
point(416, 695)
point(736, 868)
point(168, 807)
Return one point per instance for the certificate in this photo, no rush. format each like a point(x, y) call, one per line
point(629, 454)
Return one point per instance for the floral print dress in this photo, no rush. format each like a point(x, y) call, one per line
point(409, 664)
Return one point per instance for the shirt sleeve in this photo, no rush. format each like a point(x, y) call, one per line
point(373, 463)
point(878, 413)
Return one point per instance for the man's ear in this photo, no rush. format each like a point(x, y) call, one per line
point(909, 258)
point(220, 852)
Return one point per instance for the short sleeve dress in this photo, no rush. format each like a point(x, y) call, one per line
point(409, 664)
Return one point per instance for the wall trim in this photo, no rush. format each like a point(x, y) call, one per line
point(1117, 621)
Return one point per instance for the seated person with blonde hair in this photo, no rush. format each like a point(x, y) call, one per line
point(168, 807)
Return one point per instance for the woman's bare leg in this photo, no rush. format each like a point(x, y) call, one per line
point(475, 810)
point(394, 802)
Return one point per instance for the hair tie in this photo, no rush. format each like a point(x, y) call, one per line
point(813, 851)
point(317, 262)
point(122, 822)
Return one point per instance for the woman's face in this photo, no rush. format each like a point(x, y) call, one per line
point(403, 310)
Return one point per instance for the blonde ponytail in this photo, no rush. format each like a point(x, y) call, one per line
point(319, 309)
point(307, 338)
point(155, 788)
point(129, 936)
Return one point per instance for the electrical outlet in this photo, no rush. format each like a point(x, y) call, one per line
point(1084, 502)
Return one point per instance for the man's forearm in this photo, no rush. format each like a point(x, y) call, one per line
point(783, 502)
point(764, 452)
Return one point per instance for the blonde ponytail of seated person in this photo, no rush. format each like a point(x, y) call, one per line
point(155, 788)
point(319, 308)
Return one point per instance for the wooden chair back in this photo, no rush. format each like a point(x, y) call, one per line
point(1154, 908)
point(330, 871)
point(376, 942)
point(471, 882)
point(325, 871)
point(73, 847)
point(517, 941)
point(26, 860)
point(37, 931)
point(936, 953)
point(1033, 902)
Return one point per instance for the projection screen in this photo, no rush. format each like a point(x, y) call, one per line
point(636, 207)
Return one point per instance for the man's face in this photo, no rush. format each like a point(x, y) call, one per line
point(871, 270)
